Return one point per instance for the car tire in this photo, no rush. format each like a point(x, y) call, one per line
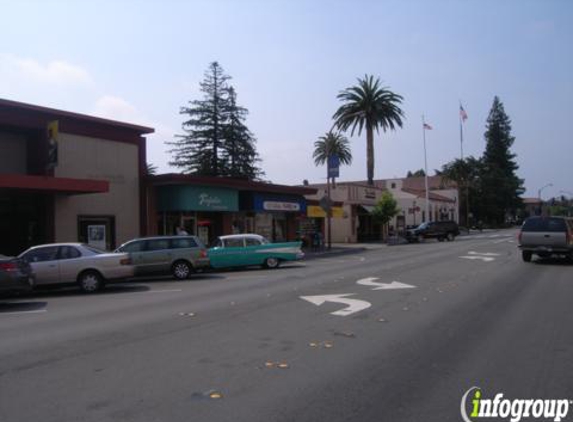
point(271, 263)
point(90, 281)
point(441, 238)
point(181, 270)
point(526, 256)
point(450, 237)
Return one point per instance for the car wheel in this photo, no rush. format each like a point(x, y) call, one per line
point(451, 237)
point(526, 256)
point(440, 238)
point(181, 270)
point(90, 281)
point(271, 263)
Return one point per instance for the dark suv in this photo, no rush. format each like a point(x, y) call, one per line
point(433, 230)
point(546, 236)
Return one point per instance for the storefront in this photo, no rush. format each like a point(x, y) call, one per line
point(209, 207)
point(67, 177)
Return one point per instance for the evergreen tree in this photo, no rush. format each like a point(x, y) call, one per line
point(239, 153)
point(500, 186)
point(217, 142)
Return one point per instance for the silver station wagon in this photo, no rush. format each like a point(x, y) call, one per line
point(179, 256)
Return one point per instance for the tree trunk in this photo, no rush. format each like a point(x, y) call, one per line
point(370, 154)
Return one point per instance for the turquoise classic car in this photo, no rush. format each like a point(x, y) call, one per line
point(242, 250)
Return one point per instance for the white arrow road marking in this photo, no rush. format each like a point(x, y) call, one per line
point(370, 281)
point(483, 258)
point(354, 305)
point(483, 253)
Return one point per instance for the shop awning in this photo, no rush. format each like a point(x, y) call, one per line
point(368, 208)
point(26, 182)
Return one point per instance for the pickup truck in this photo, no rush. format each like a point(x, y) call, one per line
point(546, 236)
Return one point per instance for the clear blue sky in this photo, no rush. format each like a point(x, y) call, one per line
point(139, 61)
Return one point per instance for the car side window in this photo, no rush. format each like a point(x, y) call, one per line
point(157, 244)
point(250, 241)
point(234, 243)
point(69, 252)
point(132, 247)
point(42, 254)
point(183, 243)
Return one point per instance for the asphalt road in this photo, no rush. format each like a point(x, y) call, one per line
point(244, 346)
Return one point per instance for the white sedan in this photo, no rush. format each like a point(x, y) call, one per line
point(68, 263)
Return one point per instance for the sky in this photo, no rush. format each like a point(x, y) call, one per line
point(141, 61)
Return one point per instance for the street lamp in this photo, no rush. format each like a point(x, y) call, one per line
point(539, 191)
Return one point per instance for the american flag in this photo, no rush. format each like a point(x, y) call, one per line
point(427, 126)
point(463, 114)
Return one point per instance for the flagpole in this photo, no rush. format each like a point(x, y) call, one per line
point(461, 134)
point(426, 217)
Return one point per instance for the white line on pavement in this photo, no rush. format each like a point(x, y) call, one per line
point(40, 311)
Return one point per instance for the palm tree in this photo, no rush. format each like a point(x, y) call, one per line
point(332, 144)
point(369, 106)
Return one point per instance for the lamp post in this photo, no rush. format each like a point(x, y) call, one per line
point(541, 189)
point(539, 197)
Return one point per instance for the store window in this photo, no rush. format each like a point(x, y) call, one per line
point(97, 231)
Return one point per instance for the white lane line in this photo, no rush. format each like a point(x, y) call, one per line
point(502, 240)
point(163, 291)
point(41, 311)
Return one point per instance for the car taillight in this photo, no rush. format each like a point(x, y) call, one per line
point(125, 261)
point(203, 253)
point(8, 266)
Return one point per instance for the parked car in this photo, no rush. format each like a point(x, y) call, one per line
point(84, 265)
point(16, 275)
point(241, 250)
point(176, 255)
point(546, 236)
point(434, 230)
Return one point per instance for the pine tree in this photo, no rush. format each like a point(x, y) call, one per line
point(199, 151)
point(500, 185)
point(217, 142)
point(239, 154)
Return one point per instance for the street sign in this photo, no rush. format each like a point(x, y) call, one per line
point(325, 203)
point(333, 165)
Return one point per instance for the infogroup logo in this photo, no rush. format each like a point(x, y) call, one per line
point(511, 409)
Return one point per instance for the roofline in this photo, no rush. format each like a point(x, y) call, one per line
point(225, 182)
point(77, 116)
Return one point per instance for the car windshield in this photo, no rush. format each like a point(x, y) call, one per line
point(423, 226)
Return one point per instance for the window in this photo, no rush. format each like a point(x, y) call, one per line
point(42, 254)
point(136, 246)
point(184, 242)
point(157, 244)
point(69, 252)
point(251, 241)
point(234, 243)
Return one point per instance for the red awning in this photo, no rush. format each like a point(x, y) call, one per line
point(48, 184)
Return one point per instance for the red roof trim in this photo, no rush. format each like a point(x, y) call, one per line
point(52, 184)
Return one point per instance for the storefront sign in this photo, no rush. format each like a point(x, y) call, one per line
point(278, 203)
point(196, 198)
point(280, 206)
point(314, 211)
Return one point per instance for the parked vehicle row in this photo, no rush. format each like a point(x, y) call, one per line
point(180, 256)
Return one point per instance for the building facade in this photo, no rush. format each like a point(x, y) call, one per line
point(68, 177)
point(213, 206)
